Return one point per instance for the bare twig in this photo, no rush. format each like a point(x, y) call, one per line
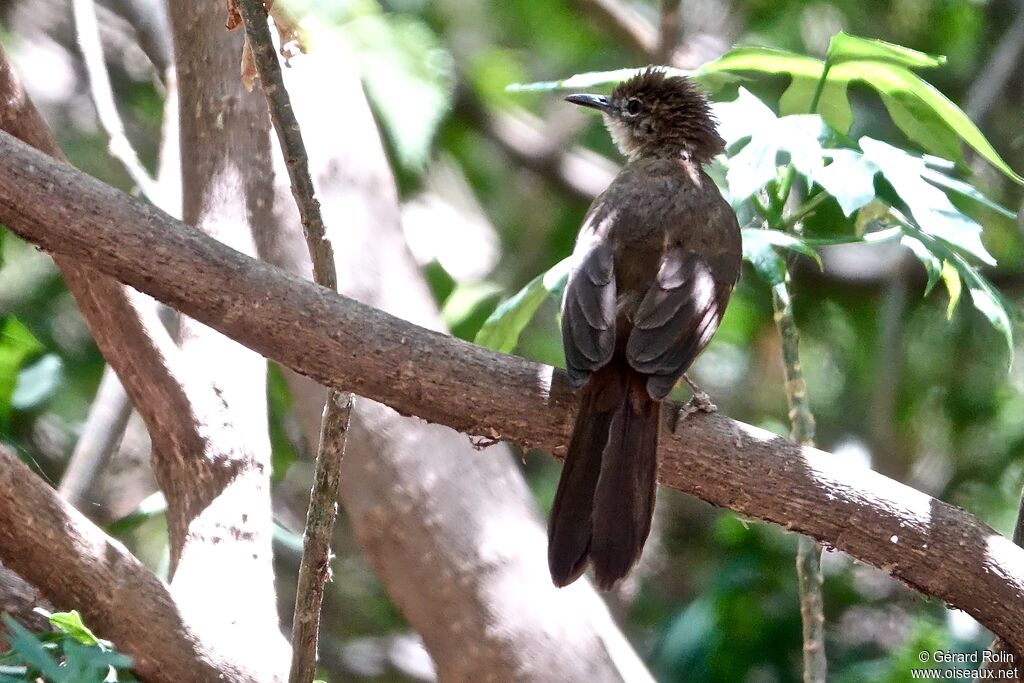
point(808, 554)
point(108, 417)
point(933, 547)
point(624, 21)
point(314, 571)
point(668, 36)
point(995, 75)
point(121, 148)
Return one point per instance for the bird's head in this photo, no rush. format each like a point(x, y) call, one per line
point(657, 115)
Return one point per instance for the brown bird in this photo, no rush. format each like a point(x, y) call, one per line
point(654, 265)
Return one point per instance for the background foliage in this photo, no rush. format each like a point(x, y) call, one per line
point(922, 392)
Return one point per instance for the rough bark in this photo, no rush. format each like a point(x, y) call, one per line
point(930, 545)
point(452, 532)
point(185, 419)
point(117, 595)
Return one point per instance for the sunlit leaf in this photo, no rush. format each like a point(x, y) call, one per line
point(759, 249)
point(502, 329)
point(984, 297)
point(917, 104)
point(844, 48)
point(932, 264)
point(72, 624)
point(467, 306)
point(951, 278)
point(920, 125)
point(833, 104)
point(929, 205)
point(850, 178)
point(798, 137)
point(17, 346)
point(964, 189)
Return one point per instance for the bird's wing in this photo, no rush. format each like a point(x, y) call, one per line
point(588, 314)
point(675, 320)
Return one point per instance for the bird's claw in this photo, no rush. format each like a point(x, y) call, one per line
point(700, 402)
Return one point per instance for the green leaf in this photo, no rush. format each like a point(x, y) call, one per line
point(465, 309)
point(31, 650)
point(845, 48)
point(918, 122)
point(929, 104)
point(71, 623)
point(502, 329)
point(37, 382)
point(984, 297)
point(805, 72)
point(17, 346)
point(964, 189)
point(929, 205)
point(932, 264)
point(916, 106)
point(759, 249)
point(833, 104)
point(951, 278)
point(404, 63)
point(850, 178)
point(798, 136)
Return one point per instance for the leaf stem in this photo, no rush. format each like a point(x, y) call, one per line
point(820, 86)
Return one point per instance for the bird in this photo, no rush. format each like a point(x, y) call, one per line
point(656, 260)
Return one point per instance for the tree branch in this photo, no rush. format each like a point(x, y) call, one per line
point(929, 545)
point(314, 569)
point(118, 596)
point(423, 503)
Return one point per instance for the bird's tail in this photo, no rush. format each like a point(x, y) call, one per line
point(605, 500)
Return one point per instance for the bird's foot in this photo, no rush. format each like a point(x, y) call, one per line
point(700, 402)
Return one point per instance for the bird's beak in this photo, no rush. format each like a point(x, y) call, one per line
point(599, 102)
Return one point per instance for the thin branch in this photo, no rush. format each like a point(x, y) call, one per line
point(936, 548)
point(314, 570)
point(668, 37)
point(808, 553)
point(625, 22)
point(996, 74)
point(104, 427)
point(88, 31)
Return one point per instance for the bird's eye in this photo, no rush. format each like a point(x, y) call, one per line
point(633, 106)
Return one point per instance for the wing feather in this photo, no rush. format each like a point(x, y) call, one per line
point(588, 314)
point(675, 320)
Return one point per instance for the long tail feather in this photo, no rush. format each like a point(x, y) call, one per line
point(571, 524)
point(605, 499)
point(624, 497)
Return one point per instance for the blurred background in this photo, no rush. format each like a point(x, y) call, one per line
point(494, 185)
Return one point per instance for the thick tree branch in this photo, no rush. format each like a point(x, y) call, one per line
point(117, 595)
point(422, 501)
point(934, 547)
